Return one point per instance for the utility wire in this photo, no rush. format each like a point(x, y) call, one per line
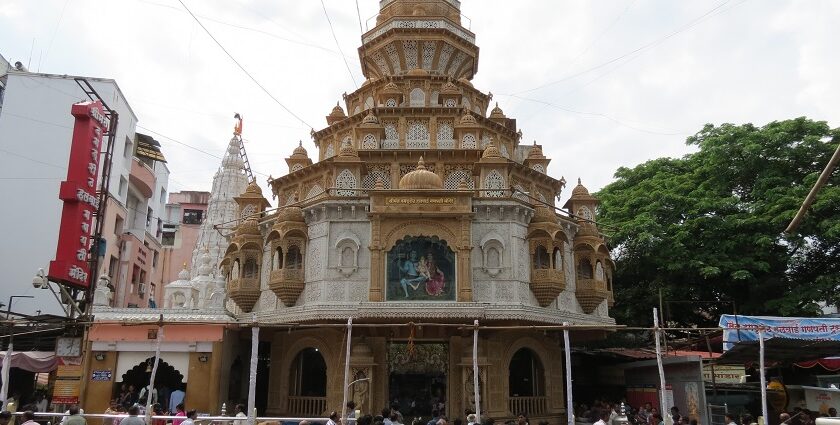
point(242, 67)
point(359, 14)
point(332, 30)
point(641, 48)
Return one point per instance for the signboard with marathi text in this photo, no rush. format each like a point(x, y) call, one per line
point(724, 374)
point(100, 375)
point(78, 192)
point(68, 380)
point(745, 328)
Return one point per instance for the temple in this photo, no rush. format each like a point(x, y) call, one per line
point(419, 211)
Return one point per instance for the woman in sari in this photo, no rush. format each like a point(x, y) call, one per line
point(435, 284)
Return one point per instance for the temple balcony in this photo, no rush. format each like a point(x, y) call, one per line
point(244, 292)
point(547, 284)
point(591, 293)
point(287, 284)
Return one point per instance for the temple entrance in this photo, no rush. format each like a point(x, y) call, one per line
point(417, 380)
point(167, 379)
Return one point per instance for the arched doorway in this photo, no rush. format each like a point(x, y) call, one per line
point(167, 379)
point(526, 383)
point(308, 383)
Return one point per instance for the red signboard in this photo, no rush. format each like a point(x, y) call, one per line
point(78, 192)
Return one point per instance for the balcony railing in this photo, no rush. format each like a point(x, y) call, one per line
point(307, 406)
point(547, 284)
point(287, 284)
point(532, 406)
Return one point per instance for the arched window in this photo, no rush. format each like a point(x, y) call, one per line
point(584, 269)
point(277, 261)
point(347, 255)
point(369, 142)
point(391, 102)
point(527, 377)
point(294, 260)
point(541, 258)
point(493, 258)
point(468, 142)
point(450, 103)
point(234, 270)
point(494, 182)
point(296, 167)
point(538, 167)
point(250, 269)
point(368, 103)
point(345, 183)
point(445, 135)
point(417, 97)
point(558, 259)
point(308, 375)
point(599, 271)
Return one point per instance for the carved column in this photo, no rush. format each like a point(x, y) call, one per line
point(377, 274)
point(464, 260)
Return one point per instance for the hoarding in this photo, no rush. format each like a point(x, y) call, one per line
point(78, 192)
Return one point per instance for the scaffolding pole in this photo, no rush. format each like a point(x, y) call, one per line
point(662, 407)
point(252, 383)
point(346, 370)
point(567, 348)
point(476, 381)
point(151, 387)
point(762, 373)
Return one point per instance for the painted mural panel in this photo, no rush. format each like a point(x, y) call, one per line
point(420, 268)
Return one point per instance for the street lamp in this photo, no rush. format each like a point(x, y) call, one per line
point(7, 360)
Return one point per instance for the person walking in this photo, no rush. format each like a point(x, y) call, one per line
point(29, 418)
point(191, 415)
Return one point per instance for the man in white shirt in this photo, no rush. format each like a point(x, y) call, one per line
point(29, 418)
point(191, 415)
point(603, 417)
point(471, 419)
point(333, 419)
point(241, 417)
point(729, 419)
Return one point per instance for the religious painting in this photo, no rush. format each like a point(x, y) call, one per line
point(420, 268)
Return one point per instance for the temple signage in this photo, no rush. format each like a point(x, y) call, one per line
point(406, 200)
point(78, 192)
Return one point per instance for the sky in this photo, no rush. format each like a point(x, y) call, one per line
point(599, 84)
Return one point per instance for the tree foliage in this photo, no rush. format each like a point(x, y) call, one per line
point(707, 229)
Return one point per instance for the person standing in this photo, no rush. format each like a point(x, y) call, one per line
point(241, 417)
point(176, 398)
point(179, 411)
point(603, 417)
point(29, 418)
point(191, 415)
point(729, 418)
point(133, 417)
point(75, 417)
point(333, 419)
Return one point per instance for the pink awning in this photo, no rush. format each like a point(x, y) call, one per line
point(32, 361)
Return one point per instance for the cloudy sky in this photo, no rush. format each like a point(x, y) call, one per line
point(600, 84)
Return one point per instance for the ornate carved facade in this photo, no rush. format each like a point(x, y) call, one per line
point(419, 205)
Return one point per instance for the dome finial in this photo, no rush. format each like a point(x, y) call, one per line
point(579, 181)
point(420, 164)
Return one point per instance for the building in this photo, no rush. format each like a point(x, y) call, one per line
point(35, 119)
point(185, 212)
point(420, 212)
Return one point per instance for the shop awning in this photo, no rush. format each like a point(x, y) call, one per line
point(831, 364)
point(32, 361)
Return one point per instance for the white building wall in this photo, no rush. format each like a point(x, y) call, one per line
point(35, 132)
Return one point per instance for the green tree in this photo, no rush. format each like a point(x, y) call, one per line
point(707, 228)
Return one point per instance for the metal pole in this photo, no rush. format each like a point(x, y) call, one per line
point(154, 372)
point(570, 411)
point(476, 381)
point(346, 370)
point(762, 374)
point(7, 360)
point(659, 365)
point(252, 383)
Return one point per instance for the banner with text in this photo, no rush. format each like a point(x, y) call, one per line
point(745, 328)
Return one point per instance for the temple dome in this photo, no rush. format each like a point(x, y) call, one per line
point(450, 88)
point(248, 227)
point(370, 119)
point(543, 214)
point(300, 150)
point(467, 119)
point(491, 151)
point(290, 213)
point(337, 112)
point(580, 190)
point(421, 178)
point(253, 189)
point(497, 112)
point(537, 153)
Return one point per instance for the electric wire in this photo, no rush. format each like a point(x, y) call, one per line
point(338, 45)
point(639, 49)
point(55, 30)
point(242, 67)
